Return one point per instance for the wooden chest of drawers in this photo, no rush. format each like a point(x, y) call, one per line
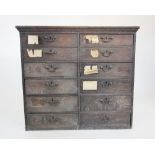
point(77, 77)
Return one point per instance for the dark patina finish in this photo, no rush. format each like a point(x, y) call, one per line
point(54, 72)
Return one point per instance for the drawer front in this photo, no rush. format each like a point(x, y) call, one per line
point(53, 54)
point(89, 40)
point(50, 69)
point(109, 86)
point(105, 103)
point(123, 54)
point(106, 70)
point(53, 40)
point(114, 120)
point(51, 121)
point(51, 104)
point(58, 86)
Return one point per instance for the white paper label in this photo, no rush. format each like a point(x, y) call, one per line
point(34, 53)
point(94, 53)
point(89, 85)
point(90, 70)
point(92, 38)
point(33, 39)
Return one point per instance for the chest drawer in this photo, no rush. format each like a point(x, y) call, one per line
point(119, 54)
point(91, 40)
point(116, 120)
point(52, 40)
point(51, 104)
point(50, 69)
point(53, 54)
point(51, 121)
point(106, 70)
point(57, 86)
point(104, 103)
point(108, 86)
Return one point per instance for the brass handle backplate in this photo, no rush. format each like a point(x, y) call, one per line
point(105, 100)
point(106, 53)
point(105, 118)
point(49, 119)
point(51, 52)
point(106, 67)
point(49, 37)
point(106, 84)
point(51, 84)
point(51, 68)
point(106, 39)
point(52, 102)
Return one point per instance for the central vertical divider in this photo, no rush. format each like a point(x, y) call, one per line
point(78, 76)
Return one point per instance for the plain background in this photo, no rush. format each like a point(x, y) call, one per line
point(11, 104)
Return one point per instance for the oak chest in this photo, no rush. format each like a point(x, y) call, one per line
point(77, 77)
